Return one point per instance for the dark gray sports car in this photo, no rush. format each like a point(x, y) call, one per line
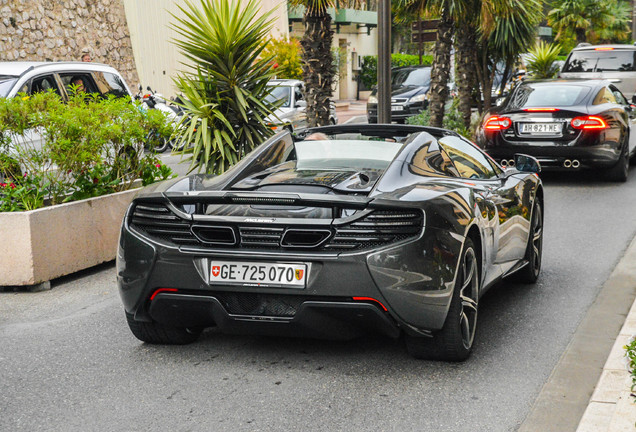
point(343, 230)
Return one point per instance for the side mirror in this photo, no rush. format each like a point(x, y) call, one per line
point(525, 163)
point(301, 104)
point(140, 88)
point(634, 98)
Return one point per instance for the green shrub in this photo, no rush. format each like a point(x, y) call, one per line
point(369, 70)
point(224, 91)
point(452, 119)
point(541, 64)
point(630, 354)
point(286, 57)
point(90, 147)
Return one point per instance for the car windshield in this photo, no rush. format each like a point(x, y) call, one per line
point(606, 60)
point(411, 77)
point(537, 95)
point(357, 155)
point(279, 93)
point(6, 84)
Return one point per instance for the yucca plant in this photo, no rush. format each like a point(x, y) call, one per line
point(542, 62)
point(225, 84)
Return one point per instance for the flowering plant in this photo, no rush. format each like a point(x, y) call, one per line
point(53, 152)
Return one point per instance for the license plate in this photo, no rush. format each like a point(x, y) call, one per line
point(541, 128)
point(397, 108)
point(258, 274)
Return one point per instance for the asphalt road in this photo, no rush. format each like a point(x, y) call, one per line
point(69, 363)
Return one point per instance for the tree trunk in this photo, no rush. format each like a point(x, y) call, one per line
point(466, 46)
point(317, 64)
point(580, 35)
point(438, 93)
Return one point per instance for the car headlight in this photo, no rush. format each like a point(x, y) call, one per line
point(419, 98)
point(372, 99)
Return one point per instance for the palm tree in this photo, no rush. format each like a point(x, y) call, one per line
point(587, 16)
point(317, 58)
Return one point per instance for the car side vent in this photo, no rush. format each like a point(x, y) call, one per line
point(376, 229)
point(158, 221)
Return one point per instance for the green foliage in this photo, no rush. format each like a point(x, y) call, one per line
point(591, 21)
point(225, 86)
point(541, 63)
point(369, 72)
point(89, 147)
point(286, 57)
point(452, 119)
point(630, 354)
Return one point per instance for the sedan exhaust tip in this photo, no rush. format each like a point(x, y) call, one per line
point(567, 163)
point(576, 163)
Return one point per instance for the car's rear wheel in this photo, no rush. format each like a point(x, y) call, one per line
point(534, 249)
point(156, 333)
point(619, 172)
point(454, 341)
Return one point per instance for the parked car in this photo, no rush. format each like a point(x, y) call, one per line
point(291, 113)
point(565, 124)
point(31, 77)
point(613, 62)
point(59, 77)
point(333, 233)
point(409, 93)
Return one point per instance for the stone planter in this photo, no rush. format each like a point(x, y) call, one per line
point(39, 245)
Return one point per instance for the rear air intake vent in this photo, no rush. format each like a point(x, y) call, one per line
point(158, 221)
point(304, 238)
point(220, 235)
point(376, 229)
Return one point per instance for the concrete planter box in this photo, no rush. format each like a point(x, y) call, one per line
point(39, 245)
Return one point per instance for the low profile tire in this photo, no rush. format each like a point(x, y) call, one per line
point(618, 173)
point(534, 251)
point(156, 333)
point(454, 341)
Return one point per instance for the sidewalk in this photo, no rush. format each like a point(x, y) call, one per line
point(348, 109)
point(611, 408)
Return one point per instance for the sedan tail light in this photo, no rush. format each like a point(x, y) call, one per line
point(588, 122)
point(496, 123)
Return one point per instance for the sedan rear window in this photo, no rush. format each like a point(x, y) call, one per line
point(609, 60)
point(547, 95)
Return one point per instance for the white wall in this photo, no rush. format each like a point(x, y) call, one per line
point(357, 41)
point(158, 59)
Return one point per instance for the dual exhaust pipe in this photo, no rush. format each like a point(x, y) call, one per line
point(507, 163)
point(574, 163)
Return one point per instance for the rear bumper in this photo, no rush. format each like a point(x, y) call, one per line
point(408, 278)
point(315, 319)
point(553, 157)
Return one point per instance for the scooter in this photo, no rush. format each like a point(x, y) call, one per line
point(152, 100)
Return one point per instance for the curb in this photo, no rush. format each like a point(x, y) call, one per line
point(611, 408)
point(587, 389)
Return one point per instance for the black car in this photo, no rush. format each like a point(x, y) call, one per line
point(349, 229)
point(564, 124)
point(409, 93)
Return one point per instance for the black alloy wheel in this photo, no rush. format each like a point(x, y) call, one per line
point(619, 172)
point(455, 340)
point(534, 250)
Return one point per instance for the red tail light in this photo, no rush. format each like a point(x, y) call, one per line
point(160, 290)
point(496, 123)
point(589, 122)
point(541, 109)
point(370, 299)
